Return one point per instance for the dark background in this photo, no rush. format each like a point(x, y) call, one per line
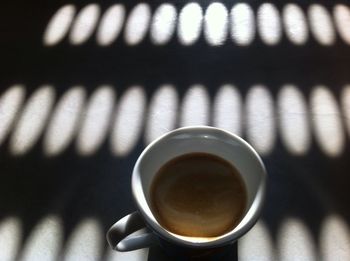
point(308, 187)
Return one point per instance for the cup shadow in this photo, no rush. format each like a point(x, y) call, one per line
point(156, 253)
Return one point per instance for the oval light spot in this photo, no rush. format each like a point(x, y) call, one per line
point(190, 23)
point(260, 238)
point(335, 239)
point(294, 122)
point(10, 238)
point(295, 24)
point(129, 121)
point(345, 102)
point(64, 121)
point(295, 242)
point(85, 242)
point(45, 241)
point(227, 110)
point(162, 112)
point(269, 24)
point(59, 25)
point(195, 107)
point(84, 24)
point(32, 120)
point(111, 25)
point(215, 24)
point(137, 24)
point(96, 120)
point(321, 24)
point(242, 24)
point(341, 15)
point(326, 119)
point(10, 104)
point(163, 24)
point(261, 131)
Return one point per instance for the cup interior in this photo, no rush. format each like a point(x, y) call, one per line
point(208, 140)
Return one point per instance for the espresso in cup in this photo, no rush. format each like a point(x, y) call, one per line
point(198, 195)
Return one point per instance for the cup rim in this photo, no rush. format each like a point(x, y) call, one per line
point(230, 237)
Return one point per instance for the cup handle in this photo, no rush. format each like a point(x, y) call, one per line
point(119, 238)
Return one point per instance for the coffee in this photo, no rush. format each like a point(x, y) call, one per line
point(198, 195)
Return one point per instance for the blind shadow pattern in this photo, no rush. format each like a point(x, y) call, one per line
point(47, 234)
point(100, 134)
point(220, 24)
point(86, 86)
point(124, 120)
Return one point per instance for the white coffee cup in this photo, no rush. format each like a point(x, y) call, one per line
point(175, 143)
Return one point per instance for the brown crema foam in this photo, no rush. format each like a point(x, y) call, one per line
point(198, 195)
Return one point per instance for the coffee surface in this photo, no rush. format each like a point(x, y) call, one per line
point(198, 195)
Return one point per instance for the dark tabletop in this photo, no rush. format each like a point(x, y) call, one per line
point(85, 86)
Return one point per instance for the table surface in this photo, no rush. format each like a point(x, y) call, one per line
point(85, 86)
